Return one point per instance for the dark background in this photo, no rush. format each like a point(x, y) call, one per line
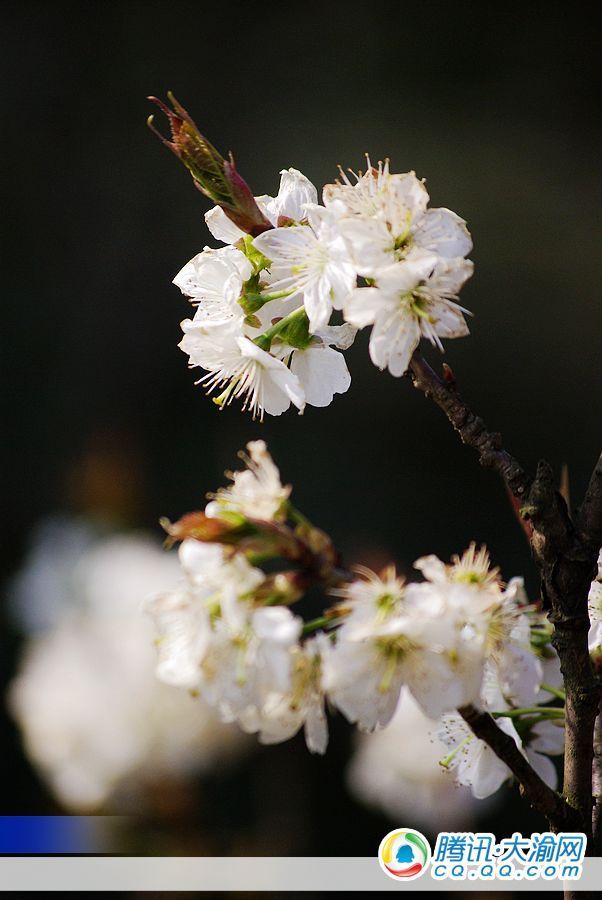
point(497, 107)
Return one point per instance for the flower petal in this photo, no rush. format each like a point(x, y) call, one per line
point(323, 373)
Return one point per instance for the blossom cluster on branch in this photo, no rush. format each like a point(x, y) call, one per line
point(276, 307)
point(373, 253)
point(459, 637)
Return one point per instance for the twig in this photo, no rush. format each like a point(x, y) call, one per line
point(471, 428)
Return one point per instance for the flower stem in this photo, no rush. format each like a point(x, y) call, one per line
point(265, 340)
point(320, 622)
point(555, 692)
point(544, 712)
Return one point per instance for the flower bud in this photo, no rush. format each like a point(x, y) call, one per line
point(213, 175)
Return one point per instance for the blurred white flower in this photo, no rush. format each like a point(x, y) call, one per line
point(47, 584)
point(397, 770)
point(546, 738)
point(436, 637)
point(185, 616)
point(214, 639)
point(94, 718)
point(302, 705)
point(256, 491)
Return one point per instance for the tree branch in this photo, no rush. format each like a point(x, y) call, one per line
point(541, 797)
point(566, 556)
point(471, 428)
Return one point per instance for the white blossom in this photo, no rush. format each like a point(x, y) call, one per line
point(214, 279)
point(212, 638)
point(408, 301)
point(283, 714)
point(429, 636)
point(384, 217)
point(311, 260)
point(472, 761)
point(183, 616)
point(257, 491)
point(240, 369)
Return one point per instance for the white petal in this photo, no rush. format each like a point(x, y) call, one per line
point(316, 728)
point(404, 276)
point(221, 227)
point(364, 304)
point(318, 305)
point(295, 191)
point(393, 340)
point(406, 201)
point(544, 767)
point(197, 558)
point(547, 737)
point(280, 386)
point(295, 240)
point(432, 568)
point(371, 243)
point(450, 275)
point(322, 372)
point(450, 321)
point(489, 774)
point(444, 233)
point(340, 336)
point(277, 624)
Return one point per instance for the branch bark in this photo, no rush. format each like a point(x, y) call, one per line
point(541, 797)
point(566, 554)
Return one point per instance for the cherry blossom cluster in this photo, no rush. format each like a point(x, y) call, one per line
point(296, 279)
point(459, 637)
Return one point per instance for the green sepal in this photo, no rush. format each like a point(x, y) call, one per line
point(255, 257)
point(295, 331)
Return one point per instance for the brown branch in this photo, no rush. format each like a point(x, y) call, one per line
point(471, 428)
point(566, 556)
point(538, 794)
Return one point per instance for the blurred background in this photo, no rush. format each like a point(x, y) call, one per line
point(105, 431)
